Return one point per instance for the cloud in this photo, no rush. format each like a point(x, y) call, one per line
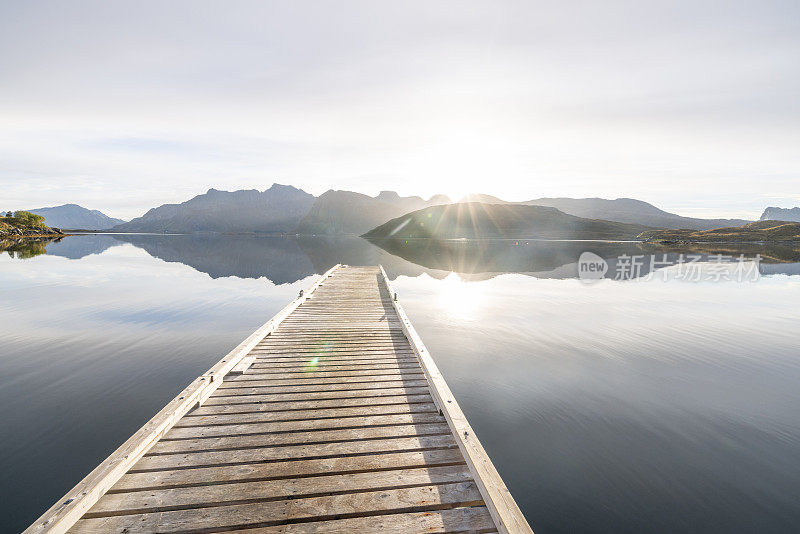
point(131, 104)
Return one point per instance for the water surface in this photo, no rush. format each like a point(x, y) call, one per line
point(639, 405)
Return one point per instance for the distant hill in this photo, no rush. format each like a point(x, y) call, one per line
point(76, 217)
point(485, 199)
point(276, 210)
point(476, 220)
point(781, 214)
point(346, 212)
point(435, 200)
point(756, 232)
point(629, 210)
point(283, 209)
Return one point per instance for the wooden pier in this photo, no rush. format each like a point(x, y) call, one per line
point(332, 417)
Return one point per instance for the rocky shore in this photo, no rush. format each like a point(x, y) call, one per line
point(23, 224)
point(15, 232)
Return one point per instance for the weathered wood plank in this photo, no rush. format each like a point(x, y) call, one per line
point(309, 405)
point(288, 357)
point(267, 397)
point(243, 365)
point(250, 389)
point(231, 493)
point(329, 362)
point(313, 373)
point(475, 520)
point(254, 472)
point(297, 438)
point(385, 376)
point(305, 415)
point(423, 498)
point(310, 425)
point(293, 452)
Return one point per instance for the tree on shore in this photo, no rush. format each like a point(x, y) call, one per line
point(27, 218)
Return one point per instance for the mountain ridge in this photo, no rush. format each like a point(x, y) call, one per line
point(632, 211)
point(284, 209)
point(781, 214)
point(475, 220)
point(768, 231)
point(346, 212)
point(74, 216)
point(277, 209)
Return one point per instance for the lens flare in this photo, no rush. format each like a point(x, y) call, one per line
point(312, 364)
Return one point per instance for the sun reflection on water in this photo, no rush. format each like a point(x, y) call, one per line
point(460, 299)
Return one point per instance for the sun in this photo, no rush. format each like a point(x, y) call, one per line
point(457, 194)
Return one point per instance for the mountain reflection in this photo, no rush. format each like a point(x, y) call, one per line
point(480, 259)
point(278, 259)
point(286, 260)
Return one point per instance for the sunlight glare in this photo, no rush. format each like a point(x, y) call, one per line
point(459, 299)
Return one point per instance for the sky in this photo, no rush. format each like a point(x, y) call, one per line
point(125, 105)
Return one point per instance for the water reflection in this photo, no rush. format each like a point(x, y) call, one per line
point(286, 260)
point(615, 407)
point(22, 249)
point(483, 259)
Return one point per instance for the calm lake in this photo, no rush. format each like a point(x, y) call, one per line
point(664, 401)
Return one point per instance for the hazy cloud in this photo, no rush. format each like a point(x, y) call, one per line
point(124, 105)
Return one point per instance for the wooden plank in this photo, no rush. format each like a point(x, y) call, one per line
point(340, 338)
point(161, 462)
point(250, 389)
point(365, 355)
point(178, 433)
point(263, 514)
point(316, 382)
point(304, 415)
point(309, 405)
point(311, 370)
point(312, 468)
point(264, 491)
point(474, 519)
point(397, 352)
point(297, 438)
point(377, 394)
point(67, 510)
point(243, 365)
point(331, 365)
point(506, 514)
point(314, 373)
point(334, 337)
point(315, 365)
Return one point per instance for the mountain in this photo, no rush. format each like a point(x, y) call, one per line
point(781, 214)
point(629, 210)
point(473, 220)
point(435, 200)
point(284, 209)
point(76, 217)
point(346, 212)
point(276, 210)
point(756, 232)
point(480, 197)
